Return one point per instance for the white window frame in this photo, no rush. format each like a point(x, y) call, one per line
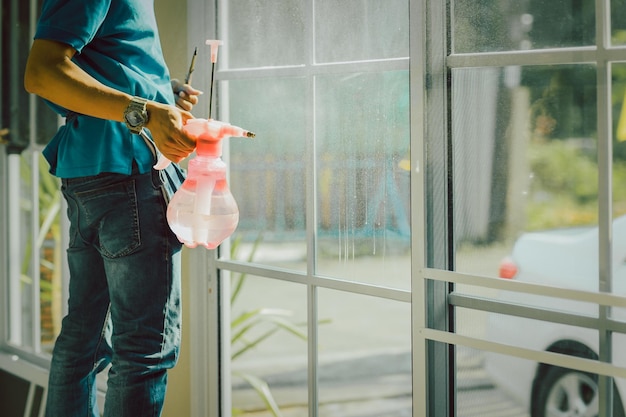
point(214, 370)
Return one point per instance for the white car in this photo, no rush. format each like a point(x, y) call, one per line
point(565, 258)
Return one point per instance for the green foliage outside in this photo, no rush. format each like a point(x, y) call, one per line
point(564, 186)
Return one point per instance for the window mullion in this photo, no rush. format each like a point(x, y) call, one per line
point(605, 198)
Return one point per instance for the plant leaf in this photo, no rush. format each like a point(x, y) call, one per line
point(249, 345)
point(243, 317)
point(263, 390)
point(290, 327)
point(235, 338)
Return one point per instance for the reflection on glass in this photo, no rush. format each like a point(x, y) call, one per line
point(264, 33)
point(357, 30)
point(364, 356)
point(525, 174)
point(267, 174)
point(362, 151)
point(487, 26)
point(515, 387)
point(268, 345)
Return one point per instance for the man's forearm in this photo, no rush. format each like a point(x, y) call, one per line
point(51, 74)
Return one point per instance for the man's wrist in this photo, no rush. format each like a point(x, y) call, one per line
point(136, 114)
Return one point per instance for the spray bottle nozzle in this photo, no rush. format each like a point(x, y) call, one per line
point(209, 134)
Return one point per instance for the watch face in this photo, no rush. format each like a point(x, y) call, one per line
point(134, 118)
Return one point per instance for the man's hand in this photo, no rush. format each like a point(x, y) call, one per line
point(186, 96)
point(166, 125)
point(166, 122)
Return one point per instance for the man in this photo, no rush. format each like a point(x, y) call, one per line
point(99, 64)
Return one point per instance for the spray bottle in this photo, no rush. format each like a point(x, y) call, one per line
point(203, 211)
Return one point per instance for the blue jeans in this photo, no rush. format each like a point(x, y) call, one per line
point(124, 304)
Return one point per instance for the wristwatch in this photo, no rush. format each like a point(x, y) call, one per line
point(136, 115)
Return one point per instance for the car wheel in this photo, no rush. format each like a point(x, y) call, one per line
point(566, 392)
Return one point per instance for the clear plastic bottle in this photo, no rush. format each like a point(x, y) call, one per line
point(203, 211)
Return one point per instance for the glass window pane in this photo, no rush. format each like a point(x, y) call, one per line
point(268, 345)
point(487, 26)
point(264, 33)
point(51, 253)
point(356, 30)
point(479, 394)
point(35, 273)
point(619, 179)
point(619, 137)
point(363, 175)
point(22, 314)
point(514, 387)
point(364, 356)
point(618, 22)
point(526, 382)
point(619, 345)
point(526, 174)
point(267, 173)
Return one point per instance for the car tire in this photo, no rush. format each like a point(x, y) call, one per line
point(560, 388)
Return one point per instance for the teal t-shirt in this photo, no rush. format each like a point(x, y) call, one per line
point(117, 43)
